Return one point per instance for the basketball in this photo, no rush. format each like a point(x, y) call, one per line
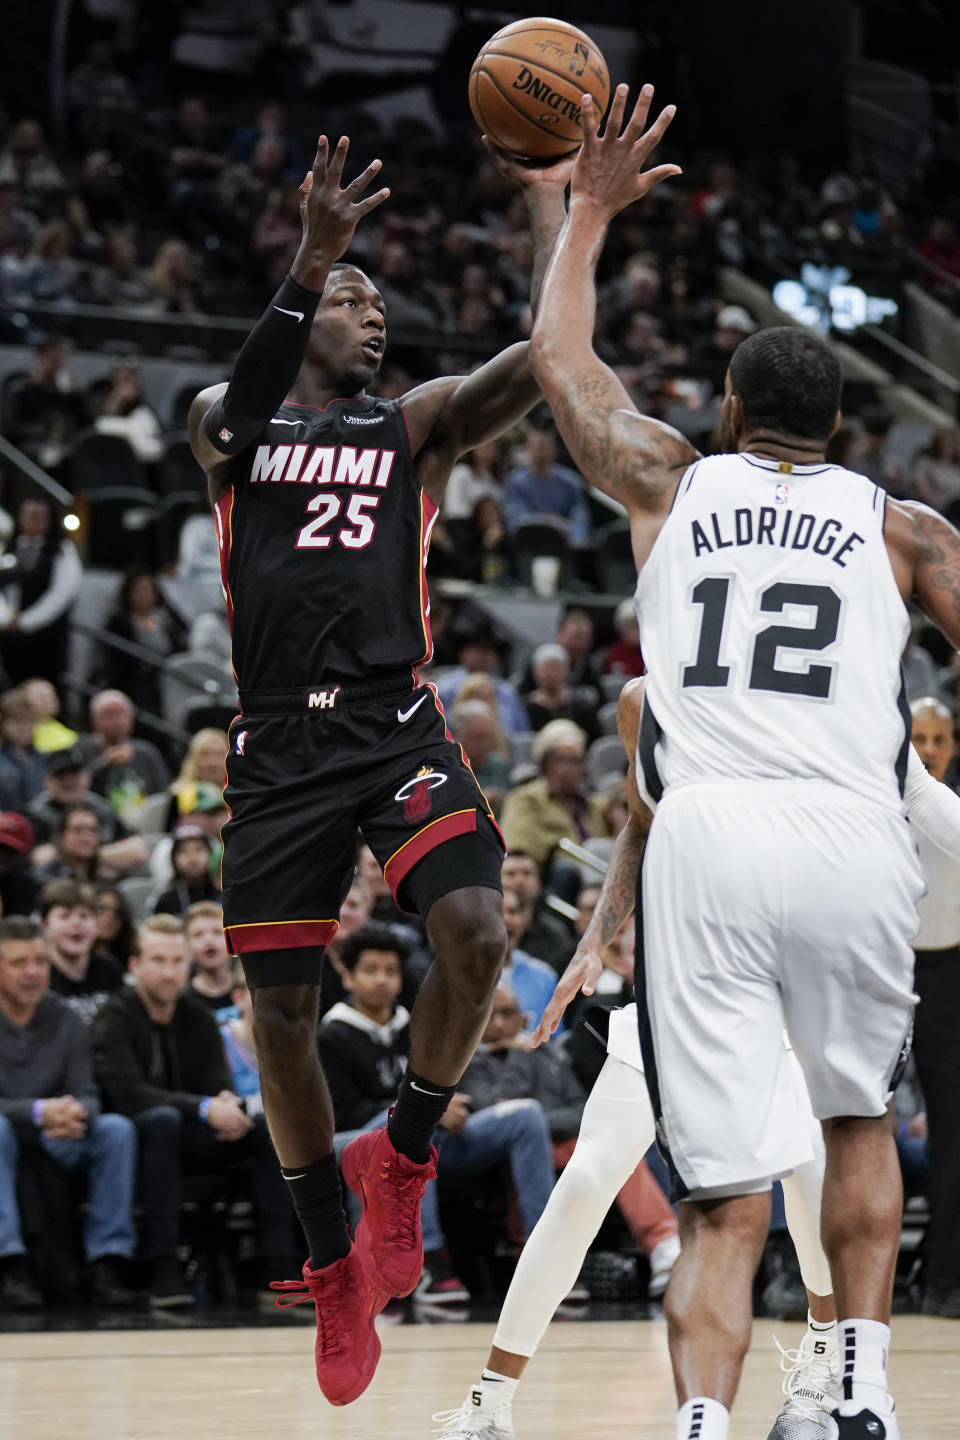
point(527, 82)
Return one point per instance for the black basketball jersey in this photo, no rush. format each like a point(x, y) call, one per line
point(323, 544)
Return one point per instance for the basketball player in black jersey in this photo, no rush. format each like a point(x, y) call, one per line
point(324, 499)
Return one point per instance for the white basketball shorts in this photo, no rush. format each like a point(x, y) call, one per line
point(769, 905)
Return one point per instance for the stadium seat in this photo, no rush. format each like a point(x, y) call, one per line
point(101, 462)
point(137, 890)
point(122, 521)
point(611, 685)
point(607, 716)
point(543, 536)
point(605, 757)
point(615, 566)
point(188, 676)
point(153, 813)
point(177, 471)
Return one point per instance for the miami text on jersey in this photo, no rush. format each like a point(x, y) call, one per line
point(321, 465)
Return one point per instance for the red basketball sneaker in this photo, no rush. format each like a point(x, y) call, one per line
point(347, 1300)
point(390, 1187)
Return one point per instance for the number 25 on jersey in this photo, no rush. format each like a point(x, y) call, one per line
point(327, 508)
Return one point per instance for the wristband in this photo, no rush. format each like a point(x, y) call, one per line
point(203, 1109)
point(37, 1112)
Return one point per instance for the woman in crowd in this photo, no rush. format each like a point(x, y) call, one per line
point(114, 923)
point(192, 879)
point(142, 616)
point(124, 412)
point(36, 594)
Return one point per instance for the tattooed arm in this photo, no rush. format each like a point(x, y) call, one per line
point(634, 459)
point(925, 555)
point(619, 890)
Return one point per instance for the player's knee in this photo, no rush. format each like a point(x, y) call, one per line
point(470, 939)
point(285, 1022)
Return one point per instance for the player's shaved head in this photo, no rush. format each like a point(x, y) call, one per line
point(788, 383)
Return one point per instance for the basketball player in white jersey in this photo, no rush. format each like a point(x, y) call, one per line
point(780, 881)
point(618, 1129)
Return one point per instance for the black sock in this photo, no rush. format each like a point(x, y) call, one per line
point(318, 1201)
point(419, 1109)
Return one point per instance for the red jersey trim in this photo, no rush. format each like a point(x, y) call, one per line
point(223, 510)
point(279, 935)
point(446, 827)
point(428, 518)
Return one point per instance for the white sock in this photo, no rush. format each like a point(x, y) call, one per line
point(703, 1419)
point(495, 1390)
point(822, 1331)
point(864, 1347)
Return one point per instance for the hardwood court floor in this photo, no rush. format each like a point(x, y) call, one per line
point(590, 1382)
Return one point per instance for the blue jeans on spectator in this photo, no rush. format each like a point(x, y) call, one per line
point(108, 1152)
point(914, 1163)
point(514, 1130)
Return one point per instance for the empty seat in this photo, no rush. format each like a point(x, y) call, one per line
point(191, 676)
point(543, 536)
point(100, 462)
point(615, 566)
point(606, 756)
point(122, 524)
point(607, 716)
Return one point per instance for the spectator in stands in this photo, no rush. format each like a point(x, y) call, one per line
point(506, 1068)
point(547, 937)
point(193, 881)
point(354, 913)
point(277, 231)
point(18, 887)
point(76, 847)
point(532, 981)
point(577, 636)
point(45, 409)
point(52, 272)
point(869, 452)
point(22, 767)
point(36, 594)
point(68, 783)
point(26, 161)
point(48, 732)
point(479, 652)
point(552, 697)
point(120, 279)
point(194, 155)
point(936, 1042)
point(84, 975)
point(941, 248)
point(205, 760)
point(475, 726)
point(102, 101)
point(176, 279)
point(212, 977)
point(557, 805)
point(142, 617)
point(911, 1132)
point(624, 656)
point(124, 769)
point(711, 357)
point(236, 1032)
point(124, 412)
point(478, 476)
point(114, 923)
point(541, 487)
point(48, 1097)
point(198, 553)
point(936, 470)
point(159, 1059)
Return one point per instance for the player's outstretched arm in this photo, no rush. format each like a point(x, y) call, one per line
point(636, 460)
point(449, 416)
point(619, 890)
point(925, 553)
point(224, 420)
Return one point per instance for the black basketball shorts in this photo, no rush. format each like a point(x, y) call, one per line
point(305, 770)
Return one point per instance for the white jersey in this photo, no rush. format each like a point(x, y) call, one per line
point(772, 630)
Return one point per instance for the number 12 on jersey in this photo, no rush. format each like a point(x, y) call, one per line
point(712, 594)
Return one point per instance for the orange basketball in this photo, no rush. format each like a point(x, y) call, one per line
point(527, 82)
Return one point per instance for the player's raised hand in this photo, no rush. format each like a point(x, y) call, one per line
point(527, 173)
point(330, 214)
point(582, 973)
point(609, 174)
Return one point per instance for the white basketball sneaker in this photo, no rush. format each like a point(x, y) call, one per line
point(812, 1387)
point(471, 1423)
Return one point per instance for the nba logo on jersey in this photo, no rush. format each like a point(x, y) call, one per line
point(241, 740)
point(782, 494)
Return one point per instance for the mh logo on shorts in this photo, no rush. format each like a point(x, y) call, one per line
point(323, 699)
point(415, 794)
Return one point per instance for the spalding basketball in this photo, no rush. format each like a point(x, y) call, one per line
point(527, 82)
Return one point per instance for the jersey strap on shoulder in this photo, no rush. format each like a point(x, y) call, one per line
point(266, 368)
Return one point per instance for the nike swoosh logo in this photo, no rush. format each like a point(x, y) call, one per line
point(403, 715)
point(435, 1094)
point(277, 421)
point(302, 1176)
point(297, 314)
